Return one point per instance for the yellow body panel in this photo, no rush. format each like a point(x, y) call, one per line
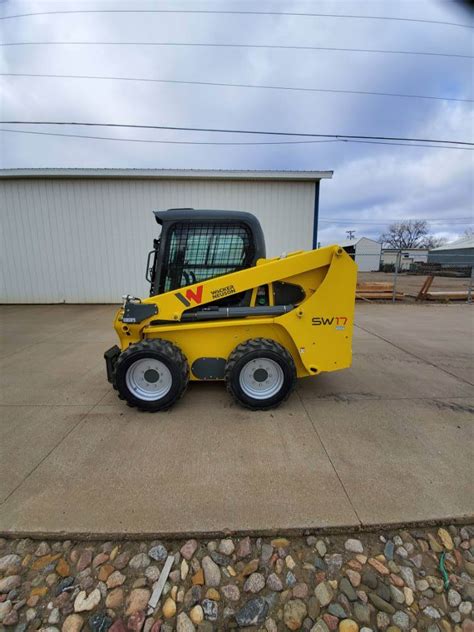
point(317, 333)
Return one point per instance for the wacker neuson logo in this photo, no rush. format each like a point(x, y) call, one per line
point(195, 296)
point(223, 291)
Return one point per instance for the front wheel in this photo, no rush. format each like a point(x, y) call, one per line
point(260, 374)
point(151, 375)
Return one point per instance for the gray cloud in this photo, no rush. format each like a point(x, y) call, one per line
point(371, 182)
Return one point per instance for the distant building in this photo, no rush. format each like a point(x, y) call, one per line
point(408, 256)
point(365, 252)
point(457, 253)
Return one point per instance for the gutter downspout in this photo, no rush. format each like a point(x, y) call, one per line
point(316, 214)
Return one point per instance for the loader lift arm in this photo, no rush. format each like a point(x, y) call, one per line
point(171, 306)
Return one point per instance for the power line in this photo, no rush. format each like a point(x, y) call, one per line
point(241, 12)
point(370, 142)
point(238, 131)
point(233, 85)
point(176, 142)
point(256, 46)
point(448, 220)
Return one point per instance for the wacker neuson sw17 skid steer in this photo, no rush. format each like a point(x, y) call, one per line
point(219, 310)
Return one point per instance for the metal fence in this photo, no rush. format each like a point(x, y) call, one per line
point(447, 266)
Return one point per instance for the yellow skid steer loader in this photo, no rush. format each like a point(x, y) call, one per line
point(219, 310)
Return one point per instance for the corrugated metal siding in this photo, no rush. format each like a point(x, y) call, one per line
point(454, 257)
point(86, 241)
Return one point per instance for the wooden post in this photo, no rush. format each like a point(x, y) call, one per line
point(471, 283)
point(397, 264)
point(425, 288)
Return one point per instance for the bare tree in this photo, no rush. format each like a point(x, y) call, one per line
point(412, 233)
point(469, 232)
point(434, 242)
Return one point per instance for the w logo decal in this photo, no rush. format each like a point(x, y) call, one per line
point(191, 296)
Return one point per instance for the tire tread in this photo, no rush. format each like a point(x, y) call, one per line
point(257, 344)
point(166, 348)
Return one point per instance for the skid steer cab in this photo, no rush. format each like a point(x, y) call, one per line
point(219, 310)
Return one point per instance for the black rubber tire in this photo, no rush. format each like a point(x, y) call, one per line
point(259, 348)
point(162, 350)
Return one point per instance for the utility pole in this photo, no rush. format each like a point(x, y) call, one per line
point(350, 234)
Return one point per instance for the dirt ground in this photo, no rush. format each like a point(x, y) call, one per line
point(411, 283)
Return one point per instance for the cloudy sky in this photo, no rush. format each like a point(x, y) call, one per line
point(372, 184)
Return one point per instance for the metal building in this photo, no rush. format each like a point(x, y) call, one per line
point(365, 252)
point(82, 235)
point(456, 253)
point(406, 257)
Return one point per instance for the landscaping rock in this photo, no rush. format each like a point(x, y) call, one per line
point(348, 625)
point(252, 613)
point(244, 547)
point(324, 593)
point(9, 583)
point(226, 546)
point(137, 600)
point(354, 546)
point(100, 622)
point(114, 598)
point(255, 583)
point(401, 620)
point(139, 561)
point(197, 614)
point(212, 573)
point(169, 608)
point(84, 602)
point(184, 623)
point(84, 560)
point(337, 583)
point(10, 561)
point(135, 621)
point(347, 589)
point(158, 553)
point(210, 609)
point(293, 614)
point(188, 549)
point(231, 592)
point(72, 623)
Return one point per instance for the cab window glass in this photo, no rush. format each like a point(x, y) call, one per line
point(201, 251)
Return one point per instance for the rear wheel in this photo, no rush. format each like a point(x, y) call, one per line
point(151, 375)
point(260, 374)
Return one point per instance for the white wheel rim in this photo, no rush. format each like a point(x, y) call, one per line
point(261, 378)
point(148, 379)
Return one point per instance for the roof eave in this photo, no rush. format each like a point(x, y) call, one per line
point(168, 174)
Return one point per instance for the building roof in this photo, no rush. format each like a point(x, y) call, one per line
point(413, 250)
point(352, 242)
point(464, 242)
point(175, 174)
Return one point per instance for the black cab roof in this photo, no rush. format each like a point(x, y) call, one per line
point(172, 215)
point(202, 215)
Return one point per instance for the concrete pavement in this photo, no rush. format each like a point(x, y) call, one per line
point(388, 441)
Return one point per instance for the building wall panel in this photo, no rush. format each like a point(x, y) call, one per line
point(86, 240)
point(367, 255)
